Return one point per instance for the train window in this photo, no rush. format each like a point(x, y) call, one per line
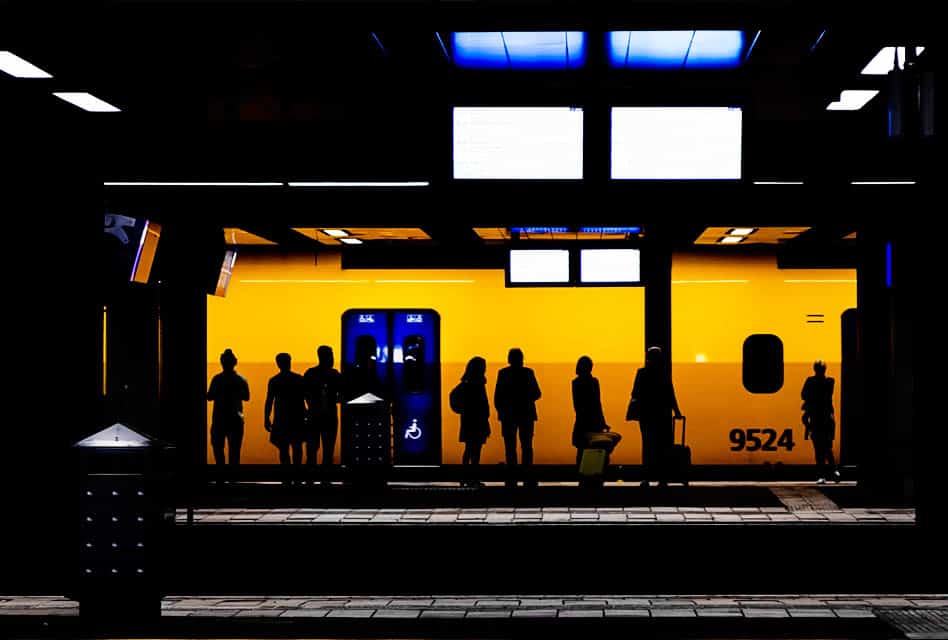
point(763, 363)
point(414, 359)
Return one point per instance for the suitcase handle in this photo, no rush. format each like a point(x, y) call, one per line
point(684, 424)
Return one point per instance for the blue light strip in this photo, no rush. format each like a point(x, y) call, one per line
point(379, 43)
point(751, 48)
point(521, 50)
point(610, 229)
point(819, 39)
point(444, 49)
point(888, 265)
point(529, 230)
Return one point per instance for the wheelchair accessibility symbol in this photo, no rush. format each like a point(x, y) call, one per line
point(413, 432)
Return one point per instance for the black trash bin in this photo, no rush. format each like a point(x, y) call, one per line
point(120, 522)
point(367, 440)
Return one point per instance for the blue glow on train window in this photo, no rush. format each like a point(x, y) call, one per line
point(888, 265)
point(688, 49)
point(523, 50)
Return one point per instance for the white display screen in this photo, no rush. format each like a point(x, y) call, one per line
point(538, 266)
point(609, 265)
point(676, 143)
point(518, 143)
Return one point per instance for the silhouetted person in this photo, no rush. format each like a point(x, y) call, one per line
point(323, 388)
point(475, 416)
point(514, 397)
point(285, 399)
point(818, 419)
point(654, 394)
point(228, 391)
point(588, 406)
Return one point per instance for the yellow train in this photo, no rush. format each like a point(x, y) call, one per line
point(291, 304)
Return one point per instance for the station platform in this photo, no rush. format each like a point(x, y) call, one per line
point(911, 616)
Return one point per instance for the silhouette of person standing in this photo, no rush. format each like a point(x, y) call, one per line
point(475, 416)
point(818, 419)
point(228, 391)
point(588, 406)
point(285, 400)
point(514, 398)
point(323, 388)
point(654, 394)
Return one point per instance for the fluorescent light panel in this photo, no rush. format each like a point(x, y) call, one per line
point(884, 61)
point(852, 100)
point(350, 241)
point(20, 68)
point(193, 184)
point(732, 239)
point(521, 50)
point(778, 182)
point(86, 101)
point(609, 266)
point(539, 266)
point(882, 182)
point(335, 233)
point(742, 231)
point(417, 183)
point(686, 49)
point(676, 143)
point(513, 143)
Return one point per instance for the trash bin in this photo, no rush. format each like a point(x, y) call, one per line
point(366, 447)
point(119, 525)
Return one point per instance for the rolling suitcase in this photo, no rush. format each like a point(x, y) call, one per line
point(679, 456)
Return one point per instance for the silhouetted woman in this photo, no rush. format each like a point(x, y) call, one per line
point(475, 416)
point(818, 419)
point(588, 406)
point(654, 397)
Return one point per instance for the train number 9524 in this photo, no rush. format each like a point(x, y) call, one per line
point(761, 440)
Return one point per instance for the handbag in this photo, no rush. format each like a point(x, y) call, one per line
point(634, 412)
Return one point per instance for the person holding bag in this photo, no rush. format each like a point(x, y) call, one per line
point(469, 399)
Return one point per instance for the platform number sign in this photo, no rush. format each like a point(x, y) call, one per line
point(761, 440)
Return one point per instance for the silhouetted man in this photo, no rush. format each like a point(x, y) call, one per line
point(818, 419)
point(285, 399)
point(323, 388)
point(514, 398)
point(228, 391)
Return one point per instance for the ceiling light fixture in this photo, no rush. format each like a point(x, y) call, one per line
point(86, 101)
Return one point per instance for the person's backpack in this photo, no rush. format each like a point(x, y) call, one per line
point(456, 398)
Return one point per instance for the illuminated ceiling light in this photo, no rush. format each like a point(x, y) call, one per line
point(523, 50)
point(20, 68)
point(884, 61)
point(687, 49)
point(350, 240)
point(731, 239)
point(335, 233)
point(852, 100)
point(420, 183)
point(700, 357)
point(193, 184)
point(742, 231)
point(86, 101)
point(778, 182)
point(878, 182)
